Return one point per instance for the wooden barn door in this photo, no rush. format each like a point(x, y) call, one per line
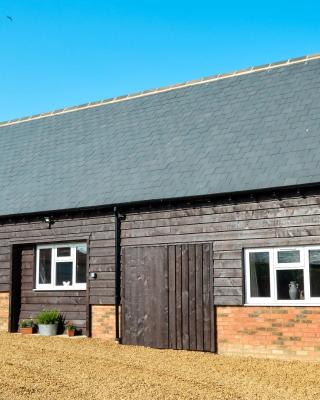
point(145, 297)
point(167, 297)
point(190, 300)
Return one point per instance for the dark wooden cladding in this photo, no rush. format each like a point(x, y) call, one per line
point(71, 304)
point(167, 297)
point(98, 230)
point(289, 221)
point(231, 228)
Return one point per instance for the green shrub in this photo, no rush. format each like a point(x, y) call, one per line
point(48, 317)
point(26, 323)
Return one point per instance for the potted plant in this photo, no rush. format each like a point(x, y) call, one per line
point(48, 321)
point(26, 326)
point(71, 329)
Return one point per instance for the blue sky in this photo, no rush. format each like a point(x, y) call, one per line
point(58, 53)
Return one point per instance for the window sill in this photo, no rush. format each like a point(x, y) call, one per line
point(72, 289)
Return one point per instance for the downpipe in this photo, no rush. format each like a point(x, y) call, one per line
point(117, 300)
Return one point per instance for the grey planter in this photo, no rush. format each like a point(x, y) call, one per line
point(48, 330)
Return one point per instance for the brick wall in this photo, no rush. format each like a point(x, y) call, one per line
point(103, 322)
point(273, 332)
point(4, 311)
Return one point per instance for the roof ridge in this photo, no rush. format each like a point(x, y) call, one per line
point(162, 89)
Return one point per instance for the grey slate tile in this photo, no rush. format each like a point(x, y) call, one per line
point(241, 133)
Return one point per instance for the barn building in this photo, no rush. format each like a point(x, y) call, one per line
point(186, 217)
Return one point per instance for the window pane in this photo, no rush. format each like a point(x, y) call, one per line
point(45, 266)
point(64, 273)
point(81, 267)
point(288, 256)
point(259, 274)
point(314, 265)
point(63, 252)
point(290, 284)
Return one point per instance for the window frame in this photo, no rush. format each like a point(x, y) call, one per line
point(54, 259)
point(249, 298)
point(275, 266)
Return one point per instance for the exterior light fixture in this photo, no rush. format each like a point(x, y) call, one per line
point(50, 221)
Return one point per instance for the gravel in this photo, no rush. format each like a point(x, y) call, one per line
point(33, 367)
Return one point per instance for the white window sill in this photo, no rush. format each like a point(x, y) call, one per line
point(62, 289)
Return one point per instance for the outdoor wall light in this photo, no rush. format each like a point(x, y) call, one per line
point(50, 221)
point(93, 275)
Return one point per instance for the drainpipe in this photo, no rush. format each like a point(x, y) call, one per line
point(117, 298)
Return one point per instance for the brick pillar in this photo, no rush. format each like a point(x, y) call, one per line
point(4, 311)
point(103, 322)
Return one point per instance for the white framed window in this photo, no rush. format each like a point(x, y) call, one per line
point(61, 266)
point(283, 276)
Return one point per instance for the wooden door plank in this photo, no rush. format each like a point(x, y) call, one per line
point(132, 307)
point(172, 297)
point(192, 297)
point(199, 297)
point(185, 296)
point(161, 292)
point(148, 302)
point(156, 282)
point(206, 299)
point(212, 307)
point(178, 298)
point(166, 299)
point(129, 336)
point(123, 295)
point(139, 297)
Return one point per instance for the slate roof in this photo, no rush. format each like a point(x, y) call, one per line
point(248, 130)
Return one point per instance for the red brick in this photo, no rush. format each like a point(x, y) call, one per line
point(103, 322)
point(274, 332)
point(4, 311)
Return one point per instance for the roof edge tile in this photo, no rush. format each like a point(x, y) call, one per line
point(163, 89)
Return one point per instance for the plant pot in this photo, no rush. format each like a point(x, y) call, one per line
point(48, 330)
point(71, 332)
point(26, 331)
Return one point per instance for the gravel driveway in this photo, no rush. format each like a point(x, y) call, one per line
point(33, 367)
